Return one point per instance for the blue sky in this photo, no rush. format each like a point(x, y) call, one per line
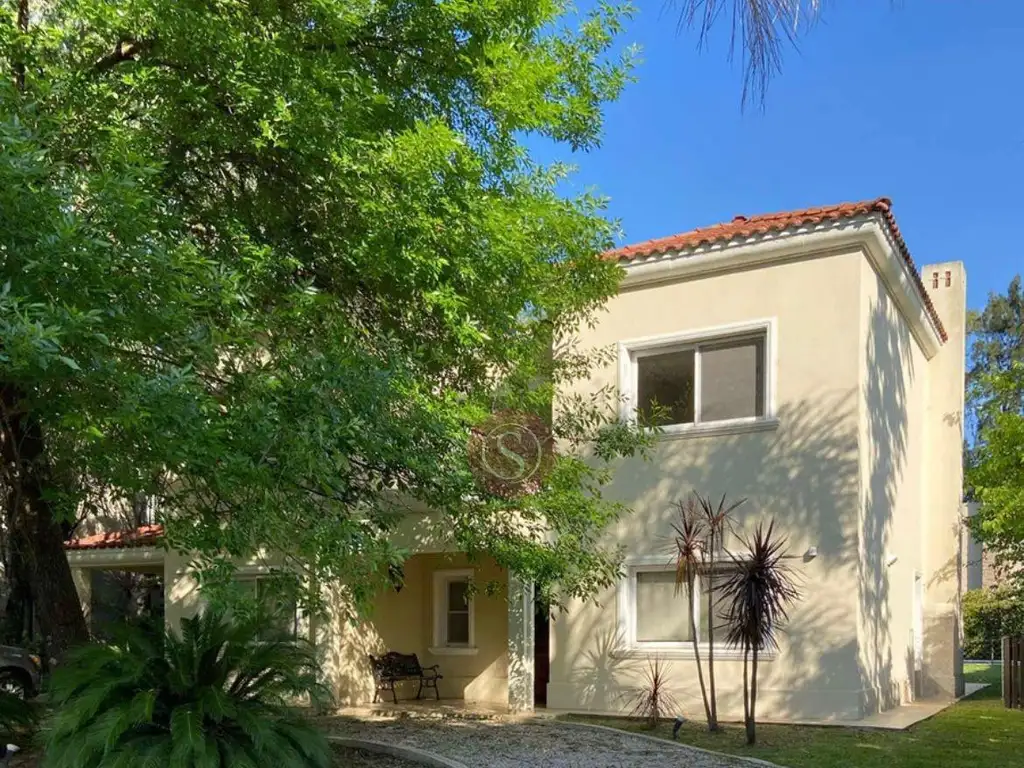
point(920, 101)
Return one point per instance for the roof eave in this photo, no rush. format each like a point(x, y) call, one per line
point(869, 233)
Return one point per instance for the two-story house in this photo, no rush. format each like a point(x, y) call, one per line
point(807, 367)
point(804, 365)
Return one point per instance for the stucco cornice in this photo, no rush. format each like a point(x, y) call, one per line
point(868, 234)
point(116, 558)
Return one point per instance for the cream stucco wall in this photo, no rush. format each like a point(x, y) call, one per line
point(804, 472)
point(892, 415)
point(404, 622)
point(850, 470)
point(946, 284)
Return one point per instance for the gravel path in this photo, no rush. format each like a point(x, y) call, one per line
point(358, 758)
point(534, 744)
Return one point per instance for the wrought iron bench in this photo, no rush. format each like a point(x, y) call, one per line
point(394, 667)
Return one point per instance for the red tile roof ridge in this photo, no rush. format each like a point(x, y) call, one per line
point(760, 225)
point(142, 536)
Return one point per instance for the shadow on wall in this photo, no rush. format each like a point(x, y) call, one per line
point(403, 621)
point(807, 475)
point(890, 376)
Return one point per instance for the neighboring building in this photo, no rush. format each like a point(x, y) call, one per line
point(807, 368)
point(980, 569)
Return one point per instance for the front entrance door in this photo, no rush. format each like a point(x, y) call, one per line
point(541, 651)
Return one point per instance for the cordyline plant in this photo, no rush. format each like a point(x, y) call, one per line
point(689, 542)
point(699, 537)
point(758, 592)
point(652, 700)
point(269, 262)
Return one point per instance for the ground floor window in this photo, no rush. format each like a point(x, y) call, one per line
point(655, 610)
point(454, 611)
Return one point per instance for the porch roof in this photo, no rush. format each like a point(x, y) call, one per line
point(143, 536)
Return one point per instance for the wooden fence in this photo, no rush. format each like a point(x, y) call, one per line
point(1013, 672)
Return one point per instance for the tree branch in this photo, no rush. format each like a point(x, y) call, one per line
point(125, 50)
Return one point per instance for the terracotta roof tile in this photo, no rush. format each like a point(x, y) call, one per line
point(143, 536)
point(742, 227)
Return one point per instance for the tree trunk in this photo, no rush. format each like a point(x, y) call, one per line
point(752, 717)
point(746, 684)
point(696, 653)
point(36, 538)
point(713, 696)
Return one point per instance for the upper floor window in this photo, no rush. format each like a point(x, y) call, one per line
point(682, 381)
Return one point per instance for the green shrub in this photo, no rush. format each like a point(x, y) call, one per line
point(212, 697)
point(989, 614)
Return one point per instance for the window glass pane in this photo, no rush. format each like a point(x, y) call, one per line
point(732, 380)
point(715, 581)
point(661, 614)
point(458, 629)
point(667, 380)
point(457, 599)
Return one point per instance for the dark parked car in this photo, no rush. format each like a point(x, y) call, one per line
point(19, 671)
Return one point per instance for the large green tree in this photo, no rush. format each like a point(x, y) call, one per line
point(995, 397)
point(997, 342)
point(995, 474)
point(269, 259)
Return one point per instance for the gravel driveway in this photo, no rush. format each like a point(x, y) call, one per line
point(532, 744)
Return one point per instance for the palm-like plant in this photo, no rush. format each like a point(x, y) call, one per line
point(690, 544)
point(762, 26)
point(652, 700)
point(214, 696)
point(758, 593)
point(717, 522)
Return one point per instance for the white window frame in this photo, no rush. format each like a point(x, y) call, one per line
point(441, 645)
point(633, 349)
point(683, 649)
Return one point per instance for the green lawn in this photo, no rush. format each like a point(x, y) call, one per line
point(976, 732)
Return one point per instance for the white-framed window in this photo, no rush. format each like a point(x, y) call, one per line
point(702, 380)
point(654, 615)
point(454, 613)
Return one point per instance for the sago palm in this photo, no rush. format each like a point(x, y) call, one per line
point(212, 697)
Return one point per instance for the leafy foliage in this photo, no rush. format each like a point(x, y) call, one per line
point(690, 541)
point(16, 714)
point(989, 615)
point(758, 593)
point(997, 343)
point(652, 700)
point(269, 261)
point(995, 395)
point(996, 475)
point(699, 535)
point(761, 27)
point(212, 697)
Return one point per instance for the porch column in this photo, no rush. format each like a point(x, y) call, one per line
point(520, 644)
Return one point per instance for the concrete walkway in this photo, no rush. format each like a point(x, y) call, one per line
point(897, 719)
